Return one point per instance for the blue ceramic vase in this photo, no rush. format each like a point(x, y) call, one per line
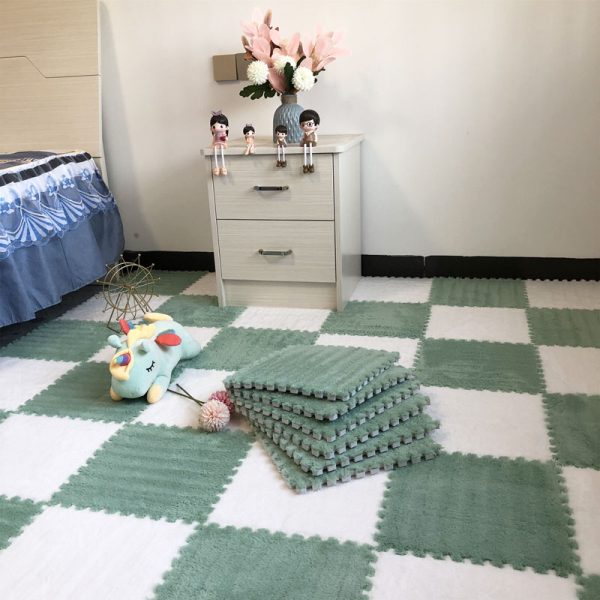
point(288, 114)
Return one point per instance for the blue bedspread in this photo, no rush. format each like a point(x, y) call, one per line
point(59, 227)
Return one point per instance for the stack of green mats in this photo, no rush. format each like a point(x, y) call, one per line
point(327, 414)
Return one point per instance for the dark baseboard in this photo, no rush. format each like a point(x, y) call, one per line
point(378, 265)
point(174, 261)
point(510, 267)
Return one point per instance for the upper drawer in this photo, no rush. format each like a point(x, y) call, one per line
point(309, 195)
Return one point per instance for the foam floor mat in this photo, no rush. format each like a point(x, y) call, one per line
point(404, 455)
point(368, 446)
point(329, 372)
point(393, 383)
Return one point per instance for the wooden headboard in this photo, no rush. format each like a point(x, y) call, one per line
point(50, 76)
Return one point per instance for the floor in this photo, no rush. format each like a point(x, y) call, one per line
point(129, 500)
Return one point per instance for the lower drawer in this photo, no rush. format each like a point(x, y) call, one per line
point(307, 250)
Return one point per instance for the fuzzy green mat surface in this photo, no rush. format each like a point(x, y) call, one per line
point(126, 500)
point(401, 456)
point(333, 456)
point(324, 372)
point(302, 433)
point(383, 390)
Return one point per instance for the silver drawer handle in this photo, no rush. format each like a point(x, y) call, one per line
point(275, 252)
point(271, 188)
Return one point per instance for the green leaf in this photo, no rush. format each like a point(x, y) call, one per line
point(248, 90)
point(288, 72)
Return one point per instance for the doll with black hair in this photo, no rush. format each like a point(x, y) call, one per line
point(309, 122)
point(249, 134)
point(281, 132)
point(219, 127)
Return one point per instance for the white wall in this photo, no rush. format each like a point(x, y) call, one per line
point(482, 118)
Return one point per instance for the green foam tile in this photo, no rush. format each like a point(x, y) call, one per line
point(479, 365)
point(330, 372)
point(378, 407)
point(505, 293)
point(157, 471)
point(402, 456)
point(564, 327)
point(482, 508)
point(171, 283)
point(335, 456)
point(379, 319)
point(403, 411)
point(240, 564)
point(83, 392)
point(15, 514)
point(590, 589)
point(394, 383)
point(72, 341)
point(200, 311)
point(235, 348)
point(573, 421)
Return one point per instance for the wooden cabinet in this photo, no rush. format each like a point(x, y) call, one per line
point(282, 237)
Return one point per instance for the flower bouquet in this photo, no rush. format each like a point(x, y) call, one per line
point(285, 66)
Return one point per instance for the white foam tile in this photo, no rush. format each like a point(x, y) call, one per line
point(258, 498)
point(68, 553)
point(205, 286)
point(173, 410)
point(407, 347)
point(392, 289)
point(485, 422)
point(203, 335)
point(427, 578)
point(478, 323)
point(38, 453)
point(583, 487)
point(266, 317)
point(564, 294)
point(23, 378)
point(103, 355)
point(93, 309)
point(569, 370)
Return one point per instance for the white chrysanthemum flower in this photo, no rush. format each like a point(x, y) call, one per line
point(282, 60)
point(303, 79)
point(258, 71)
point(214, 416)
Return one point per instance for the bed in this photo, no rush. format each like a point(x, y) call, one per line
point(59, 223)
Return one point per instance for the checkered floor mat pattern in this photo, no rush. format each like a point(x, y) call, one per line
point(130, 501)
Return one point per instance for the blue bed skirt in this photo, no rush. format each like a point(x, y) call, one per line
point(36, 277)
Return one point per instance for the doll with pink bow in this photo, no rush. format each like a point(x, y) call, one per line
point(219, 127)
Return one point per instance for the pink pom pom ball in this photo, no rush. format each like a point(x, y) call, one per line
point(223, 396)
point(214, 416)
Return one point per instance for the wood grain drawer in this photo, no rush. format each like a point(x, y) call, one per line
point(312, 245)
point(309, 196)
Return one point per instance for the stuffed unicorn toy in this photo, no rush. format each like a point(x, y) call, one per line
point(146, 356)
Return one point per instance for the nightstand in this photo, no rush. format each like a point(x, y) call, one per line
point(282, 237)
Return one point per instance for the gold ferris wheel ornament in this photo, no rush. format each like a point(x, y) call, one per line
point(128, 288)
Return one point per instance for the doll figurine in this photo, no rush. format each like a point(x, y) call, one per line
point(249, 134)
point(219, 127)
point(309, 121)
point(281, 132)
